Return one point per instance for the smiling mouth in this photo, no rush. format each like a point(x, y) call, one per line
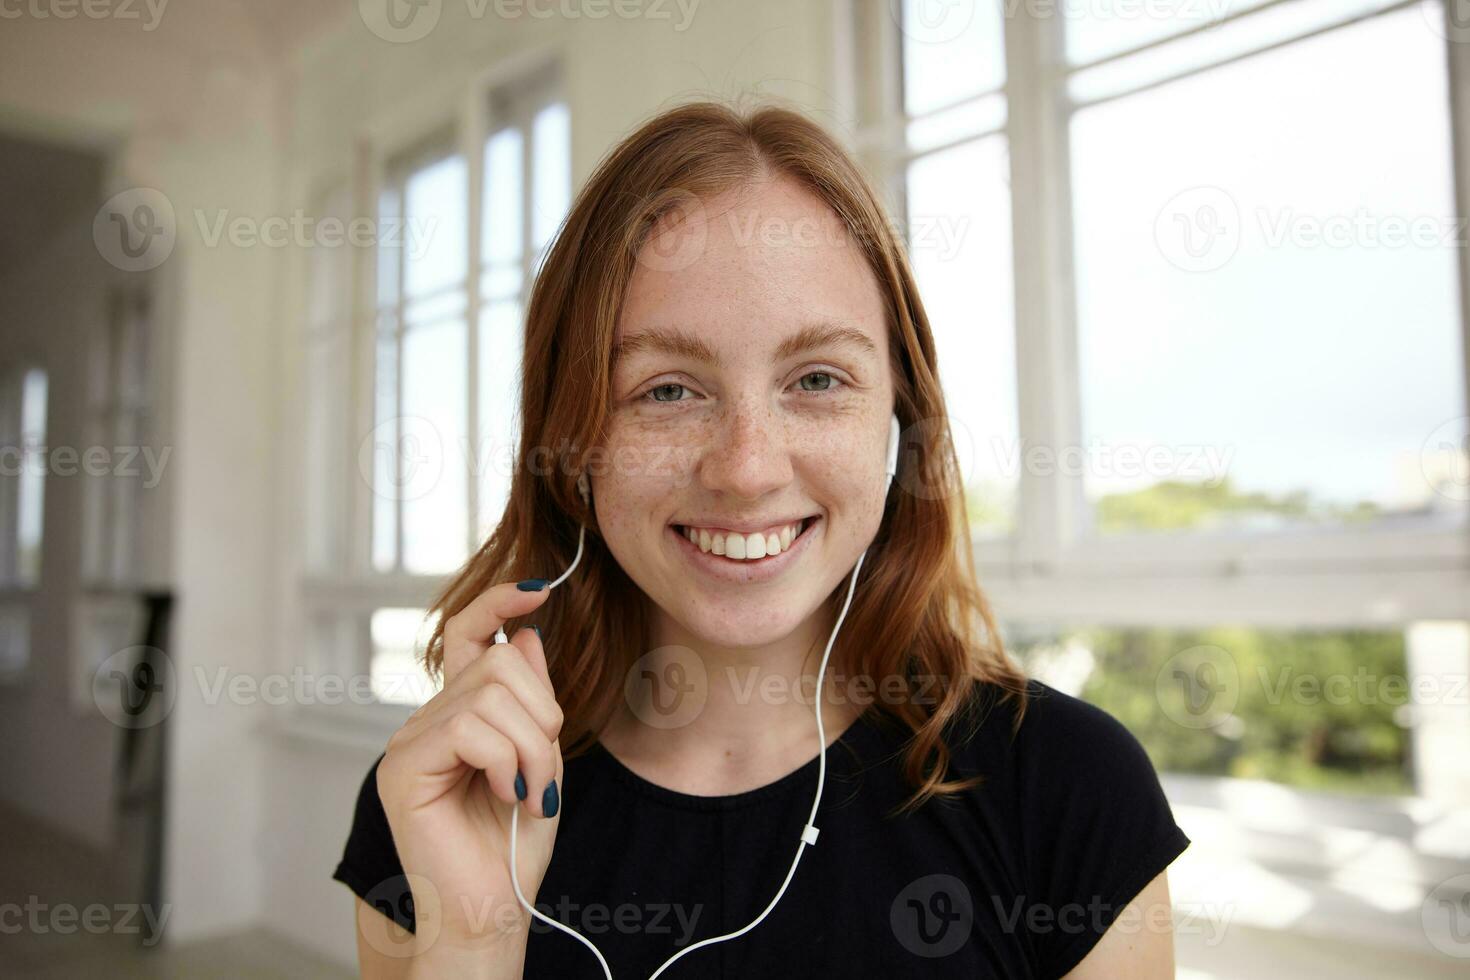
point(745, 548)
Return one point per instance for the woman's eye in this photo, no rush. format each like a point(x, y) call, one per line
point(821, 381)
point(672, 390)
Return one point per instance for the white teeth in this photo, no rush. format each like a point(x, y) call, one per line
point(744, 547)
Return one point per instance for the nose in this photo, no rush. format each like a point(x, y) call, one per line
point(747, 456)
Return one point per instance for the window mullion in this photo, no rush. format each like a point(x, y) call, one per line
point(400, 327)
point(1458, 69)
point(1049, 505)
point(472, 145)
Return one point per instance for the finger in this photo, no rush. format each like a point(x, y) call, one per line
point(528, 642)
point(465, 740)
point(469, 632)
point(506, 664)
point(537, 760)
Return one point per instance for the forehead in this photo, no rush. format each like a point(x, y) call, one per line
point(749, 268)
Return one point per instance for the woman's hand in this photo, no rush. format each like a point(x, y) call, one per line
point(450, 777)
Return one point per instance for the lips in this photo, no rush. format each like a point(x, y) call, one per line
point(745, 570)
point(744, 546)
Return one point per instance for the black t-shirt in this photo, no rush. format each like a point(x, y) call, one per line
point(1016, 877)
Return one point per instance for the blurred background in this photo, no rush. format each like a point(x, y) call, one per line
point(1197, 271)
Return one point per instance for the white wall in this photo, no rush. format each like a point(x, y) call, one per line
point(222, 105)
point(194, 109)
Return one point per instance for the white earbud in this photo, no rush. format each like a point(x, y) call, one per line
point(808, 832)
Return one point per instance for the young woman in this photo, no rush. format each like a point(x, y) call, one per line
point(718, 339)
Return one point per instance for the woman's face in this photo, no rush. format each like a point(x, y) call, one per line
point(751, 396)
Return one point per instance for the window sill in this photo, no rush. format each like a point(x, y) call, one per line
point(359, 728)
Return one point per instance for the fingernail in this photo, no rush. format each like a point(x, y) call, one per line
point(549, 800)
point(520, 786)
point(537, 629)
point(532, 585)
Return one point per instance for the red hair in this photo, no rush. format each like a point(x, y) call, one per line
point(918, 614)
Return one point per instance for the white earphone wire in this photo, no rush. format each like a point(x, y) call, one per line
point(808, 833)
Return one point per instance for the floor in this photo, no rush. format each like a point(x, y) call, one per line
point(60, 879)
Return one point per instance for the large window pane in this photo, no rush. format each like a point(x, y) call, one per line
point(951, 51)
point(32, 476)
point(551, 172)
point(432, 459)
point(434, 231)
point(1098, 30)
point(959, 213)
point(400, 636)
point(1238, 37)
point(500, 363)
point(1267, 297)
point(1325, 710)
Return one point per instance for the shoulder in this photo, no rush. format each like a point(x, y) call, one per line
point(1048, 732)
point(369, 865)
point(1088, 811)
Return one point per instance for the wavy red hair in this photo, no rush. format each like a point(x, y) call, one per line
point(918, 614)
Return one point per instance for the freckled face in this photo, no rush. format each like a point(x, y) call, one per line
point(751, 395)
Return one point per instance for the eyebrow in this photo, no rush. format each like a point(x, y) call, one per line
point(680, 343)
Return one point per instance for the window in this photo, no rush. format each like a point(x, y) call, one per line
point(118, 417)
point(1317, 709)
point(23, 465)
point(23, 424)
point(1202, 332)
point(464, 215)
point(1267, 288)
point(420, 508)
point(951, 155)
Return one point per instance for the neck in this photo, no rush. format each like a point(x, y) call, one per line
point(738, 715)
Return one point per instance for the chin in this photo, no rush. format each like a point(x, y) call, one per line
point(734, 622)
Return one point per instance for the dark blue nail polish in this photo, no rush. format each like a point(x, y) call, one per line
point(531, 585)
point(520, 787)
point(537, 629)
point(549, 800)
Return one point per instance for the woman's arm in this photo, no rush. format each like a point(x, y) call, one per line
point(384, 953)
point(1140, 942)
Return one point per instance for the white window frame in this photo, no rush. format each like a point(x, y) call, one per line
point(1370, 575)
point(1053, 574)
point(339, 595)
